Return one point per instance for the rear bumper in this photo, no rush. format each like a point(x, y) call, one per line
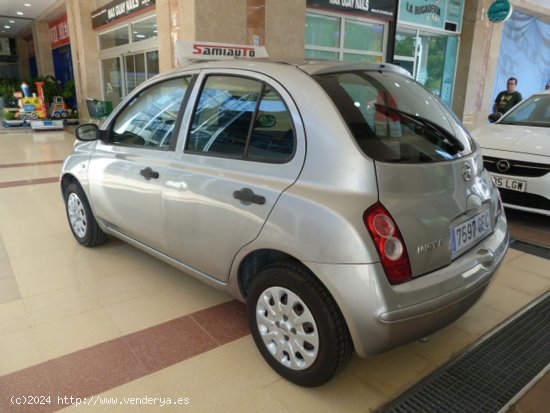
point(381, 316)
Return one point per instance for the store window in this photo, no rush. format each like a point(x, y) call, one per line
point(336, 37)
point(144, 29)
point(129, 56)
point(114, 38)
point(430, 58)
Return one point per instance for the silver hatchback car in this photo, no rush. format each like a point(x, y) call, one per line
point(342, 202)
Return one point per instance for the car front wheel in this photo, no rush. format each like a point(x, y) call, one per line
point(81, 219)
point(297, 326)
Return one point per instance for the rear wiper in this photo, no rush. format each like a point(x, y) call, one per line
point(420, 121)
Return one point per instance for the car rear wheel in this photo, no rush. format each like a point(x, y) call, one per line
point(81, 219)
point(297, 326)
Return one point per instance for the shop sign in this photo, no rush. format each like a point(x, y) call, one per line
point(118, 9)
point(59, 32)
point(383, 9)
point(187, 50)
point(436, 14)
point(499, 11)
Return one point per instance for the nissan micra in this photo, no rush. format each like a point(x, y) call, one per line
point(342, 202)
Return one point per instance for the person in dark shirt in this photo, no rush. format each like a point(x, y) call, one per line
point(507, 98)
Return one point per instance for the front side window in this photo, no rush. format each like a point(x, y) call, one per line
point(239, 117)
point(150, 118)
point(394, 119)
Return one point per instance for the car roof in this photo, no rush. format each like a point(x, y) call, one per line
point(312, 67)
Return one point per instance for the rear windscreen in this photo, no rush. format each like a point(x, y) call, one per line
point(394, 119)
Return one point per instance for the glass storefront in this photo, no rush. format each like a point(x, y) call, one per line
point(338, 37)
point(430, 58)
point(426, 43)
point(129, 56)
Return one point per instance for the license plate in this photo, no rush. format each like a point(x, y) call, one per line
point(508, 183)
point(469, 232)
point(48, 123)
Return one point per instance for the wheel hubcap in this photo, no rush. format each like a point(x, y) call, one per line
point(77, 215)
point(287, 328)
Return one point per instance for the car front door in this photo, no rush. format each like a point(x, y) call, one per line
point(126, 174)
point(244, 146)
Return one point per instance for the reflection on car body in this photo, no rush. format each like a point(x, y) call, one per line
point(342, 202)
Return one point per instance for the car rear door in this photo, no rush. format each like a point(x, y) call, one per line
point(244, 146)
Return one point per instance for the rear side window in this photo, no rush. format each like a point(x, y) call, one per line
point(242, 118)
point(150, 118)
point(394, 119)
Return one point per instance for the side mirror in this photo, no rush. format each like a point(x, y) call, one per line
point(493, 117)
point(266, 121)
point(87, 132)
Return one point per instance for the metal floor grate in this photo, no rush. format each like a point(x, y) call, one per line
point(530, 249)
point(486, 377)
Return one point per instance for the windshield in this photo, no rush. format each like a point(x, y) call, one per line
point(534, 111)
point(394, 119)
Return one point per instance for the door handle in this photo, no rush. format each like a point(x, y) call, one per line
point(248, 195)
point(148, 173)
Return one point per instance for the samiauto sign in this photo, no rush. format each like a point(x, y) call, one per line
point(203, 50)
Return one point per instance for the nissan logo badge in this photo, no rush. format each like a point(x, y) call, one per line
point(466, 171)
point(503, 165)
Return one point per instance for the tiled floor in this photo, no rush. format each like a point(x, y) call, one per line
point(114, 325)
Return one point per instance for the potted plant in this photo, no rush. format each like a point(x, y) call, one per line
point(10, 119)
point(7, 88)
point(72, 117)
point(69, 94)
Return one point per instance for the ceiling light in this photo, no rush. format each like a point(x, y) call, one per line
point(19, 13)
point(7, 27)
point(27, 5)
point(12, 21)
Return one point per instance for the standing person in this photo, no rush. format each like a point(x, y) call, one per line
point(507, 98)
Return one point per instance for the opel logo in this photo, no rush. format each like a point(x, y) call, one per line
point(503, 165)
point(466, 171)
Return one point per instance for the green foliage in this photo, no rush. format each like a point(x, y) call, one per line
point(436, 64)
point(52, 87)
point(9, 115)
point(7, 87)
point(73, 114)
point(405, 45)
point(69, 90)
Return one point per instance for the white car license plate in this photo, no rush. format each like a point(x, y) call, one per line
point(509, 183)
point(469, 232)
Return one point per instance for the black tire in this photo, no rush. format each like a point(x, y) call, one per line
point(82, 222)
point(313, 362)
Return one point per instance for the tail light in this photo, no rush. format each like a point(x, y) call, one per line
point(389, 244)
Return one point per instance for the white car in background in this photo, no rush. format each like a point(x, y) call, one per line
point(516, 150)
